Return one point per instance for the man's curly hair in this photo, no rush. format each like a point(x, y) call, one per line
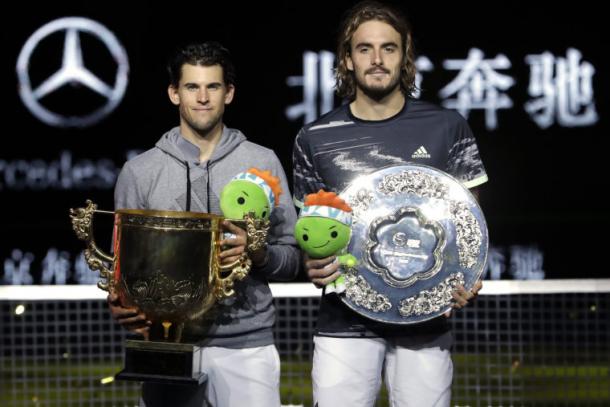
point(357, 15)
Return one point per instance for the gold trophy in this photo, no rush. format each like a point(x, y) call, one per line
point(166, 264)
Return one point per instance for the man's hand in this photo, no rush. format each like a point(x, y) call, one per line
point(129, 318)
point(238, 245)
point(321, 271)
point(462, 296)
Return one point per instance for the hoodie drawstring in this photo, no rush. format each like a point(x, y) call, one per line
point(207, 185)
point(188, 186)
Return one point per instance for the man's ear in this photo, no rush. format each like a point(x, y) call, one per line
point(349, 63)
point(230, 94)
point(172, 92)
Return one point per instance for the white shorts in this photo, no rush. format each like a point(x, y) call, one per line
point(348, 371)
point(236, 377)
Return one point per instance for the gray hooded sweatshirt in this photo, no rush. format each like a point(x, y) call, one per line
point(170, 177)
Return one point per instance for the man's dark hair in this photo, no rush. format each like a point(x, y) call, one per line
point(205, 54)
point(361, 13)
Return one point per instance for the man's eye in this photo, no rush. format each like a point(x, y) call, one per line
point(241, 200)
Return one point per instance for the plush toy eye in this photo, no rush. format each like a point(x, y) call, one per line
point(241, 200)
point(264, 213)
point(305, 237)
point(334, 234)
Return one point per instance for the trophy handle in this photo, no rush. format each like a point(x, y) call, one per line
point(239, 269)
point(82, 224)
point(257, 230)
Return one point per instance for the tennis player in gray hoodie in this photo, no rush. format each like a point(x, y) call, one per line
point(186, 171)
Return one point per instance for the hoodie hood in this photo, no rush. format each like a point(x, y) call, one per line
point(174, 144)
point(187, 154)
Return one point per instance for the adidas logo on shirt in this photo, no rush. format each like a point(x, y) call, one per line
point(421, 152)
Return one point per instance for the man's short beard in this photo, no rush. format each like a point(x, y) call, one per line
point(377, 94)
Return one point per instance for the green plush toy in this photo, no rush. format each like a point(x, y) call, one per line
point(253, 191)
point(324, 229)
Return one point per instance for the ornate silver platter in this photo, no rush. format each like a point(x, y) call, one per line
point(417, 233)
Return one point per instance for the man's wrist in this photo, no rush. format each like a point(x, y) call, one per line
point(260, 258)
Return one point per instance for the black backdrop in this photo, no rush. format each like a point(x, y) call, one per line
point(547, 187)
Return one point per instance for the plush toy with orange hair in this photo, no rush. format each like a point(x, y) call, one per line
point(324, 229)
point(253, 191)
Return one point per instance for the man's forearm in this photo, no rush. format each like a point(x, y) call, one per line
point(282, 262)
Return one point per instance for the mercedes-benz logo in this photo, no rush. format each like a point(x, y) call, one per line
point(72, 71)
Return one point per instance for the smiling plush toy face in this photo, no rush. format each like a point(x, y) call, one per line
point(321, 237)
point(240, 197)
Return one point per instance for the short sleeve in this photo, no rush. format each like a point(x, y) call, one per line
point(464, 161)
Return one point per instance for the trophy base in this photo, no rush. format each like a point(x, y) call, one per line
point(162, 362)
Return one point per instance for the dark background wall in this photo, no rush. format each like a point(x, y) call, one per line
point(547, 187)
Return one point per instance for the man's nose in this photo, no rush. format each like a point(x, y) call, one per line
point(377, 57)
point(203, 96)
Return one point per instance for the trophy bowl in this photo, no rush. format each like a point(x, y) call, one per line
point(417, 233)
point(166, 263)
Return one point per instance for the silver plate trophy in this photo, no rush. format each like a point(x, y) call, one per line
point(417, 233)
